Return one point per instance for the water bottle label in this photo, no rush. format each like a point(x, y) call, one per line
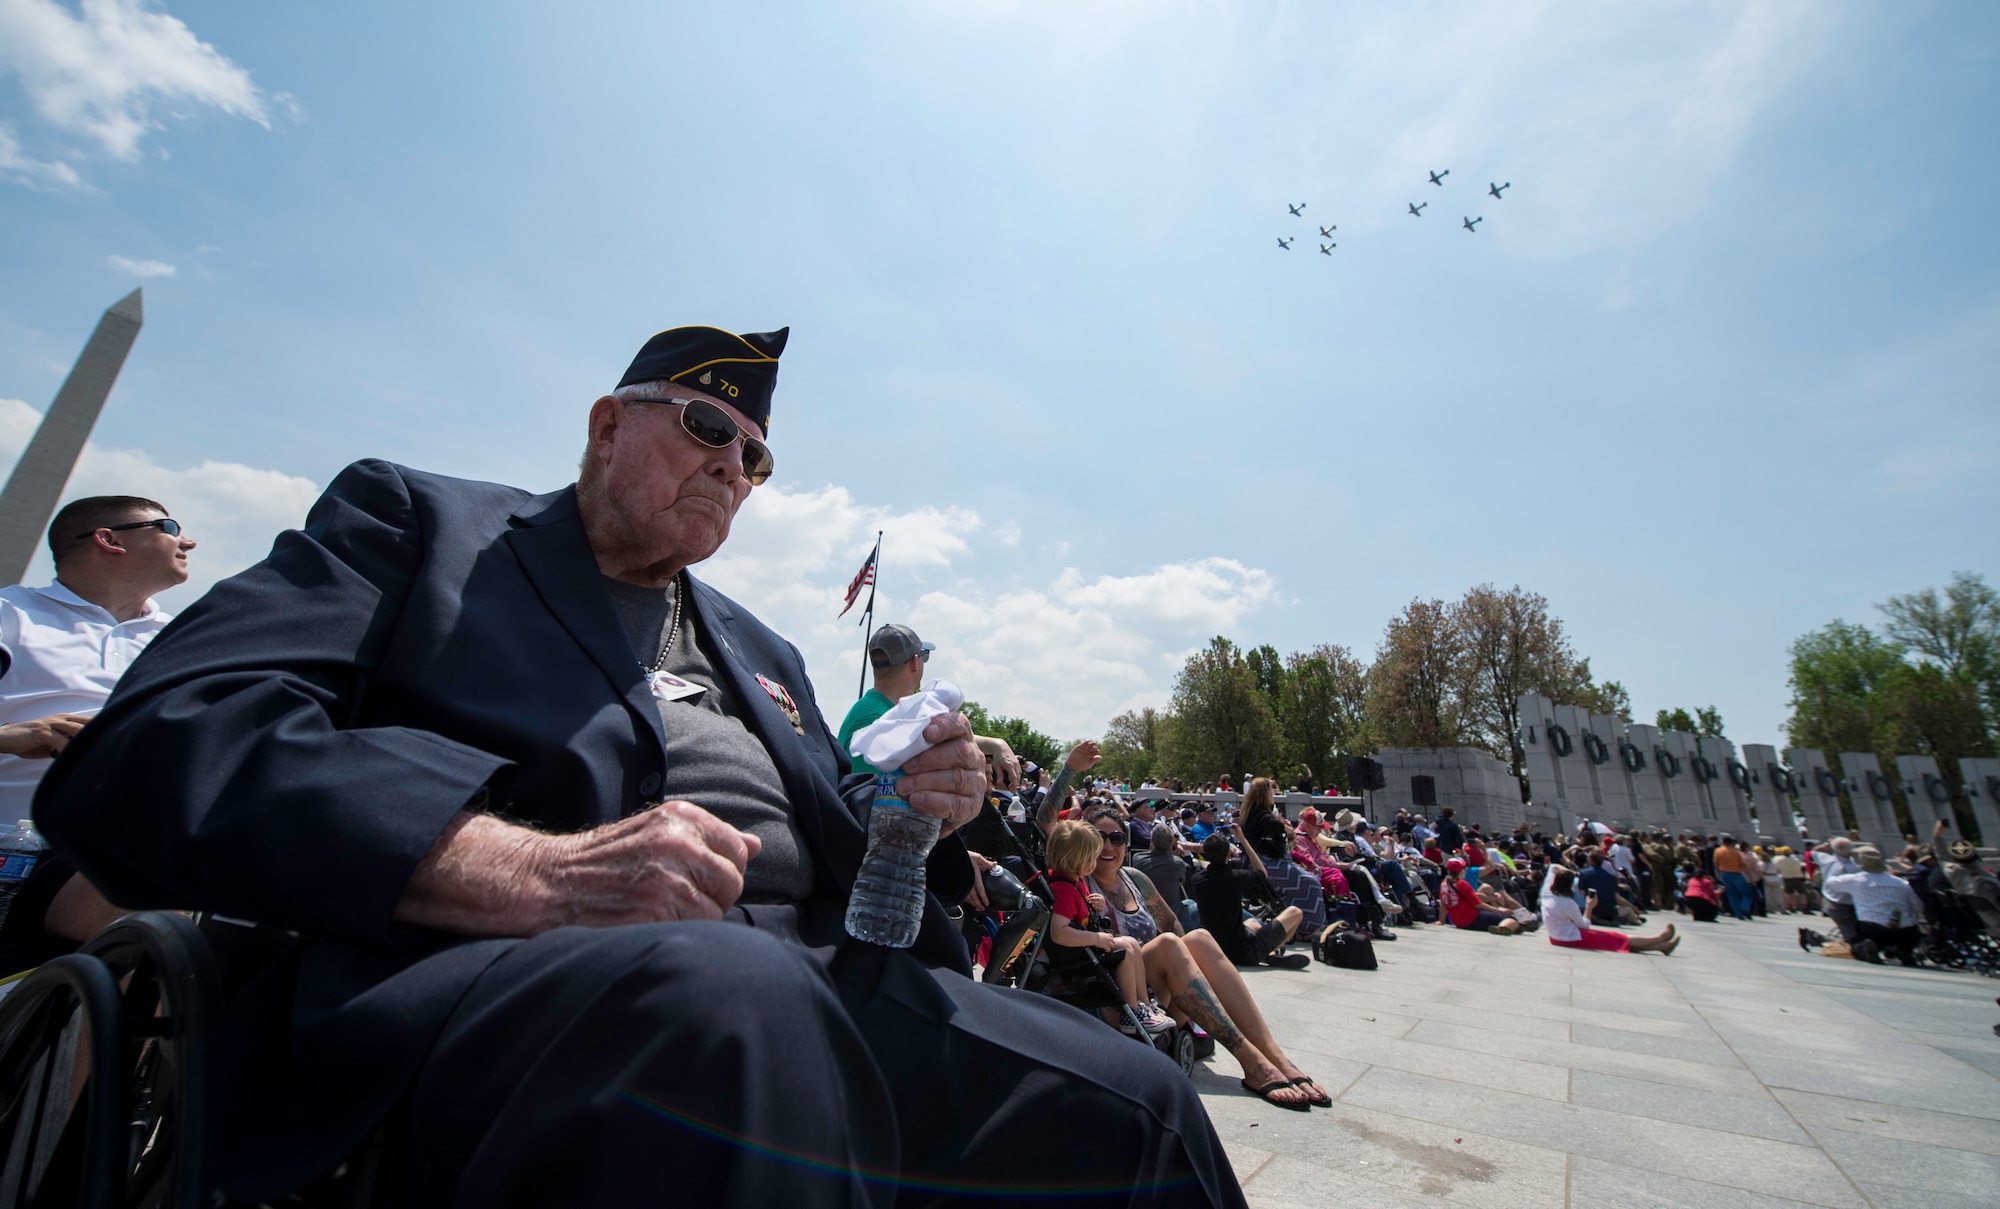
point(885, 790)
point(16, 866)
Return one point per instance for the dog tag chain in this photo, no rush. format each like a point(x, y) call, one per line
point(664, 685)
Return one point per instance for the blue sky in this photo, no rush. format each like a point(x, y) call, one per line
point(1720, 367)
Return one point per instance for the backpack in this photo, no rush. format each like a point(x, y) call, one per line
point(1343, 947)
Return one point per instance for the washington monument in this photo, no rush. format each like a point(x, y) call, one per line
point(35, 487)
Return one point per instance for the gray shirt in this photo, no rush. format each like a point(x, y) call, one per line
point(712, 760)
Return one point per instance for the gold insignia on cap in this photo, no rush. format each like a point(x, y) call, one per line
point(705, 377)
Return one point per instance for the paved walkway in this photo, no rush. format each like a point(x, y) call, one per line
point(1505, 1072)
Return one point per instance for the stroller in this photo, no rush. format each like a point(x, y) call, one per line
point(1019, 958)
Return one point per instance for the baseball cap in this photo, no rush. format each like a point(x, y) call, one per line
point(894, 644)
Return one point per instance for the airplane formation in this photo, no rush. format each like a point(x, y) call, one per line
point(1494, 189)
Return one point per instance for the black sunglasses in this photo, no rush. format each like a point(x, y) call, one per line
point(1114, 839)
point(713, 427)
point(166, 524)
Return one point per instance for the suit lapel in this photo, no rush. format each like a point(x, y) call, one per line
point(830, 830)
point(549, 541)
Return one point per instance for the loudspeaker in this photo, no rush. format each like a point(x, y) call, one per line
point(1364, 773)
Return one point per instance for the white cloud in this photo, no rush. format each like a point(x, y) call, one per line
point(16, 166)
point(140, 268)
point(100, 72)
point(233, 511)
point(1066, 654)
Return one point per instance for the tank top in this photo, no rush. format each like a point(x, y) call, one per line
point(1136, 923)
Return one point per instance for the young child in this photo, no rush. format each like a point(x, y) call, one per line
point(1073, 848)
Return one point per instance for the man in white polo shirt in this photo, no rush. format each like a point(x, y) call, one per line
point(68, 643)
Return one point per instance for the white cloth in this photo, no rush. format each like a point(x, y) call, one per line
point(1560, 915)
point(899, 734)
point(68, 653)
point(1621, 859)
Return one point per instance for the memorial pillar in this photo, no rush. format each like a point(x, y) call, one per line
point(1873, 797)
point(1928, 794)
point(1771, 788)
point(1730, 790)
point(1614, 780)
point(1982, 789)
point(1691, 811)
point(1652, 798)
point(1819, 793)
point(1548, 796)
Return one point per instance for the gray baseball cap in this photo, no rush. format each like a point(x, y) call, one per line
point(894, 644)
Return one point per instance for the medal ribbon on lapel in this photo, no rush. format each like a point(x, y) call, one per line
point(782, 698)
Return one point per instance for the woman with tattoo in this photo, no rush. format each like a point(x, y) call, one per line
point(1193, 978)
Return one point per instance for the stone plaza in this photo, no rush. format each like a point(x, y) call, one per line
point(1504, 1072)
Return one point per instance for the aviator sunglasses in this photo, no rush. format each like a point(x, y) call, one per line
point(165, 524)
point(712, 426)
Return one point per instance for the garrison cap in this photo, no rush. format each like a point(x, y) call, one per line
point(742, 370)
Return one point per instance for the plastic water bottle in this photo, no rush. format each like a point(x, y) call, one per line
point(887, 904)
point(20, 851)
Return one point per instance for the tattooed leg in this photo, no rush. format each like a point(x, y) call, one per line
point(1198, 1004)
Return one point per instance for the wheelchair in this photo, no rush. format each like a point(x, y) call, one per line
point(1020, 959)
point(105, 1072)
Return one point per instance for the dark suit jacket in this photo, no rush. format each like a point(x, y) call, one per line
point(291, 746)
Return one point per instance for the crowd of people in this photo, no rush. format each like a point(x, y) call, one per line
point(553, 854)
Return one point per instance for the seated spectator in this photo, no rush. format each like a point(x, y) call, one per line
point(1271, 837)
point(1194, 979)
point(1078, 922)
point(1204, 824)
point(1164, 866)
point(1308, 854)
point(1701, 897)
point(1886, 910)
point(1219, 891)
point(1614, 905)
point(1459, 902)
point(1568, 929)
point(897, 658)
point(1496, 899)
point(550, 906)
point(70, 642)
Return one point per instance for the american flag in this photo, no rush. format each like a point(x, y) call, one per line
point(862, 578)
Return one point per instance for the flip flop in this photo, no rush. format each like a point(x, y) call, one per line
point(1264, 1093)
point(1315, 1094)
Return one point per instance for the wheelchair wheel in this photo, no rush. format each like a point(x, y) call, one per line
point(172, 996)
point(62, 1099)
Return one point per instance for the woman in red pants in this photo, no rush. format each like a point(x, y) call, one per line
point(1567, 927)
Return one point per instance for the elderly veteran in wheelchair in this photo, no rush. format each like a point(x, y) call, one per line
point(566, 845)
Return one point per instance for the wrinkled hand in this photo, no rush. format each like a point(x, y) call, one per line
point(40, 738)
point(674, 861)
point(976, 898)
point(948, 779)
point(1083, 757)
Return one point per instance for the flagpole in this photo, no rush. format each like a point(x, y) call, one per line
point(868, 616)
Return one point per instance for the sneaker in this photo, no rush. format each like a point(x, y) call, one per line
point(1389, 908)
point(1288, 961)
point(1155, 1020)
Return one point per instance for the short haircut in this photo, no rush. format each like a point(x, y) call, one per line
point(91, 513)
point(1073, 847)
point(1215, 849)
point(1164, 839)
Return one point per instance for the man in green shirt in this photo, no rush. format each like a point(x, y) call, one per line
point(897, 657)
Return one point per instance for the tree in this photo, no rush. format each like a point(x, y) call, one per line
point(1706, 721)
point(1268, 671)
point(1222, 725)
point(1513, 646)
point(1417, 688)
point(1958, 630)
point(1131, 745)
point(1027, 742)
point(1838, 677)
point(1322, 705)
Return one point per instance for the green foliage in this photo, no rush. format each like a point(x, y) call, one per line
point(1420, 689)
point(1027, 742)
point(1223, 724)
point(1957, 630)
point(1131, 746)
point(1706, 721)
point(1321, 713)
